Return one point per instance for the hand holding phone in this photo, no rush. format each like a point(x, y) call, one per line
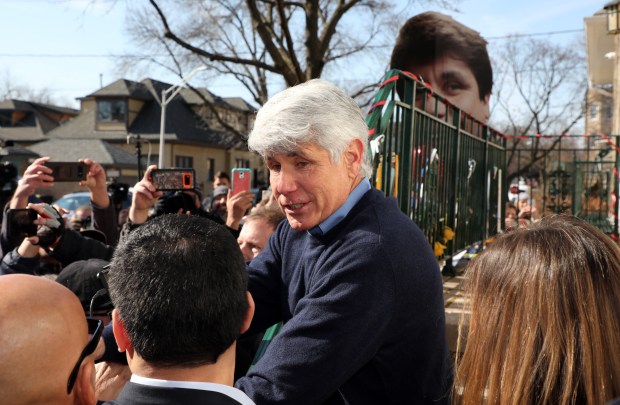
point(241, 180)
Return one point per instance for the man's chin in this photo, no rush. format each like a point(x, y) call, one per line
point(298, 224)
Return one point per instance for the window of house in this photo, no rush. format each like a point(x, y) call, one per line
point(210, 168)
point(184, 161)
point(111, 110)
point(608, 111)
point(593, 110)
point(242, 163)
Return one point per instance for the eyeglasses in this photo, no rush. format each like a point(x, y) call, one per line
point(95, 328)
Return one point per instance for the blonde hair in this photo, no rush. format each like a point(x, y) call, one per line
point(545, 318)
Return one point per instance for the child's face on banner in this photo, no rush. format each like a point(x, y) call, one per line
point(454, 80)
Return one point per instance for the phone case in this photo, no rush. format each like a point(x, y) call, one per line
point(68, 171)
point(20, 222)
point(241, 179)
point(173, 179)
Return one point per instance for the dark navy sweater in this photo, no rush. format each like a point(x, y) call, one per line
point(363, 311)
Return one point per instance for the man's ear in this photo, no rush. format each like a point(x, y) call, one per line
point(120, 333)
point(354, 155)
point(249, 314)
point(85, 384)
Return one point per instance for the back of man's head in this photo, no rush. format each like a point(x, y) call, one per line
point(179, 285)
point(427, 37)
point(44, 331)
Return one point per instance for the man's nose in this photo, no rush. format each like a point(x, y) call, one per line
point(285, 182)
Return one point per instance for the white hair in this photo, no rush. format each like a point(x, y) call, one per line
point(317, 112)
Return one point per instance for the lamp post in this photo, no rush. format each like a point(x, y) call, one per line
point(167, 96)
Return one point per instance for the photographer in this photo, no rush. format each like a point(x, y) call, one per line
point(54, 241)
point(38, 175)
point(148, 202)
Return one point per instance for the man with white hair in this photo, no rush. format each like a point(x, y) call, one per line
point(353, 279)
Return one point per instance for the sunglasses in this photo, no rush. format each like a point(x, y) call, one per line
point(95, 329)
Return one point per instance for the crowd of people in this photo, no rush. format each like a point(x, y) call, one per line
point(173, 304)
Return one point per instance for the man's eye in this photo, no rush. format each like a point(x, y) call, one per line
point(302, 164)
point(274, 167)
point(453, 87)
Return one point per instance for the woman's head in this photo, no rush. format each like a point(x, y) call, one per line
point(545, 317)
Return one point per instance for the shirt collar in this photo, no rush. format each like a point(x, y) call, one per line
point(232, 392)
point(341, 213)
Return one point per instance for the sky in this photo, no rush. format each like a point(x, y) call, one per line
point(65, 46)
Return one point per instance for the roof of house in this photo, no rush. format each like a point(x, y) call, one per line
point(240, 104)
point(96, 149)
point(35, 122)
point(182, 124)
point(124, 88)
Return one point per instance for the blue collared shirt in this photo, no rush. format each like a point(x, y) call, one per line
point(341, 213)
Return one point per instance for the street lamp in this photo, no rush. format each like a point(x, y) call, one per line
point(613, 17)
point(167, 96)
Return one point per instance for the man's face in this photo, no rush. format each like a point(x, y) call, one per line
point(454, 80)
point(253, 237)
point(219, 203)
point(308, 186)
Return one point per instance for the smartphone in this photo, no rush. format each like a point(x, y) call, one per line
point(241, 179)
point(68, 171)
point(20, 223)
point(173, 179)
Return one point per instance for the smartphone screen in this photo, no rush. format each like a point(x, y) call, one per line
point(20, 223)
point(173, 179)
point(68, 171)
point(241, 180)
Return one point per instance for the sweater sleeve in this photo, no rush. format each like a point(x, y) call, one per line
point(12, 263)
point(106, 221)
point(315, 353)
point(74, 247)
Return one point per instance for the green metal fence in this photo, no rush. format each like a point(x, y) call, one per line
point(444, 168)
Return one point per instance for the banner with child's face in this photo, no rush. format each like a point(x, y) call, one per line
point(450, 57)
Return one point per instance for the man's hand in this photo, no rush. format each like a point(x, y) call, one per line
point(51, 225)
point(96, 183)
point(110, 380)
point(144, 197)
point(36, 175)
point(237, 206)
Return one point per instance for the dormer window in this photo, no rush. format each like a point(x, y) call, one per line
point(112, 110)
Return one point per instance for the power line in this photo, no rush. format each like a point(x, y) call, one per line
point(536, 34)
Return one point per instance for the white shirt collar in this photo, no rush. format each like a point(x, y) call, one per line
point(232, 392)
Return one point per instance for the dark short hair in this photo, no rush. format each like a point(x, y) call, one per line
point(221, 175)
point(429, 36)
point(179, 284)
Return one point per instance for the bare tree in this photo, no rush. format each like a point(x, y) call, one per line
point(540, 89)
point(265, 44)
point(11, 89)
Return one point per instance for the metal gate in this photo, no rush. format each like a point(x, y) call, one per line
point(574, 174)
point(444, 168)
